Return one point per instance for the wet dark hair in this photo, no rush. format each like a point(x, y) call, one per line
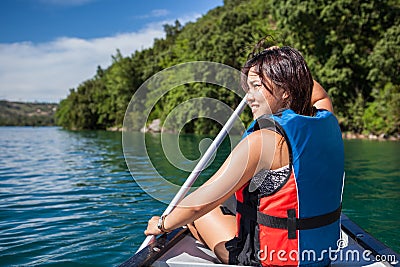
point(286, 68)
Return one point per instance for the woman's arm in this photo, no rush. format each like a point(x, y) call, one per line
point(250, 156)
point(320, 98)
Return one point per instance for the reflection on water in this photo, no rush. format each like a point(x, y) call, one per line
point(68, 197)
point(164, 162)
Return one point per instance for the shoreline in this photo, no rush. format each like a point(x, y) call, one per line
point(381, 137)
point(155, 127)
point(345, 135)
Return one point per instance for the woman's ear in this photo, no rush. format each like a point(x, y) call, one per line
point(285, 95)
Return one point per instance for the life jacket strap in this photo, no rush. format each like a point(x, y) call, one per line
point(290, 223)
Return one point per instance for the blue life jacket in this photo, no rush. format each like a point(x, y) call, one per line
point(300, 218)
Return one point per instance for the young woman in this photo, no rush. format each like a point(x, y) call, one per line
point(287, 174)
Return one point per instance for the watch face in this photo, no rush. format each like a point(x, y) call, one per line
point(159, 224)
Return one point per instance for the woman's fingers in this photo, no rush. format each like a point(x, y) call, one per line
point(152, 228)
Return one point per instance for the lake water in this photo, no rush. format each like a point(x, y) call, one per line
point(67, 198)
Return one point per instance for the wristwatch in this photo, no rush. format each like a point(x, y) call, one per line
point(160, 224)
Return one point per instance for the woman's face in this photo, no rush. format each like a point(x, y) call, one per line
point(263, 98)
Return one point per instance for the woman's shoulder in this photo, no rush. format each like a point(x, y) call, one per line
point(260, 134)
point(265, 138)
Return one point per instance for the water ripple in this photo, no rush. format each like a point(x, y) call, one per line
point(67, 198)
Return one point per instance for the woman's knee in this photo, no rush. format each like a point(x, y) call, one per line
point(215, 227)
point(221, 252)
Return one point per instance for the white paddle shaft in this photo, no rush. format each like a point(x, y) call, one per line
point(200, 166)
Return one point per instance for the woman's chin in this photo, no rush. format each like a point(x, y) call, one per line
point(256, 115)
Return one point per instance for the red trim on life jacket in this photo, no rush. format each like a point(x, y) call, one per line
point(274, 240)
point(239, 197)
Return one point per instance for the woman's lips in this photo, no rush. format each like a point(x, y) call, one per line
point(253, 107)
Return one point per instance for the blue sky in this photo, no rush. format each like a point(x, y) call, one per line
point(50, 46)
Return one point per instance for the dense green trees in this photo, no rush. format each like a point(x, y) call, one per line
point(352, 47)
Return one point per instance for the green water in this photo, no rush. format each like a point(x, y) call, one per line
point(68, 199)
point(372, 188)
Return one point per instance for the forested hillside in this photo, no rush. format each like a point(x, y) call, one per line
point(352, 48)
point(27, 114)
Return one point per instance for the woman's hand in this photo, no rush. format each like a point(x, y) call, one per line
point(152, 228)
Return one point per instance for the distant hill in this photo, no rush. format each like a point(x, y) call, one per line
point(27, 114)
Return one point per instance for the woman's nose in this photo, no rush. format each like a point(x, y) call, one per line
point(249, 96)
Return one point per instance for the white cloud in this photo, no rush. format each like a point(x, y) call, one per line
point(155, 13)
point(159, 12)
point(46, 71)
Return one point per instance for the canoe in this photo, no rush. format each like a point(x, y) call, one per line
point(178, 248)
